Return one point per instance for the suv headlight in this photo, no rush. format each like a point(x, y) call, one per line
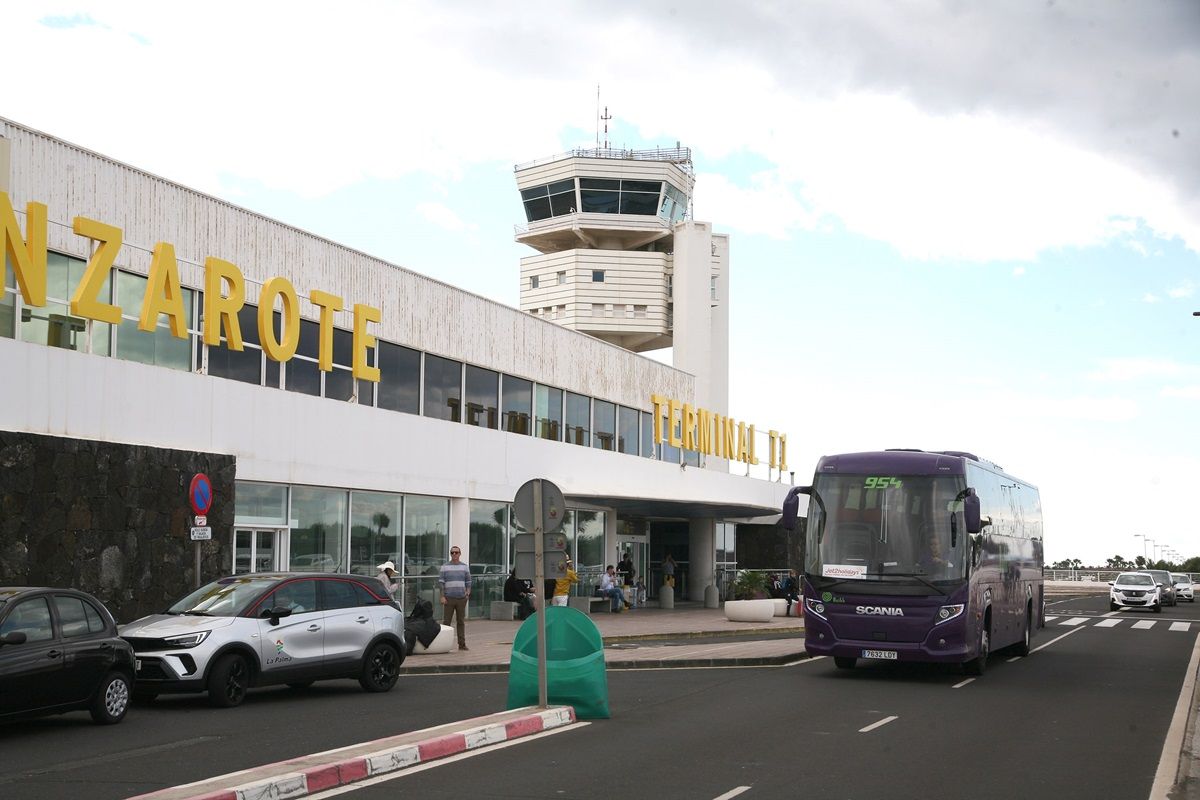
point(187, 639)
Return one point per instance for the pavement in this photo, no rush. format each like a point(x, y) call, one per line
point(688, 635)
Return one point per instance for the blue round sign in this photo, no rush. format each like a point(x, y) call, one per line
point(200, 493)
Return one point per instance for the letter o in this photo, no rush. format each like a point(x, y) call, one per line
point(285, 349)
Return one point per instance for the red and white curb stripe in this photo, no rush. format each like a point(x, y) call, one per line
point(328, 776)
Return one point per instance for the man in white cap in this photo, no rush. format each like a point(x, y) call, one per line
point(387, 576)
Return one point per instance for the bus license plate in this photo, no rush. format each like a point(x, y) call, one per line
point(889, 655)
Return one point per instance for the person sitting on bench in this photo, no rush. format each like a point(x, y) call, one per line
point(610, 589)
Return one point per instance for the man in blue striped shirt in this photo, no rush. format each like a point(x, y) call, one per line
point(454, 579)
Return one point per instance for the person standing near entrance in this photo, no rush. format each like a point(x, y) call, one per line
point(454, 579)
point(387, 576)
point(625, 570)
point(562, 586)
point(668, 568)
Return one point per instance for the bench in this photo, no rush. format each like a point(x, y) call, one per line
point(584, 603)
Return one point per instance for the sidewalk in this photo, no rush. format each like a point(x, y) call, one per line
point(688, 635)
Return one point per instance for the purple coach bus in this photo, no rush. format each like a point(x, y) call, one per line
point(919, 556)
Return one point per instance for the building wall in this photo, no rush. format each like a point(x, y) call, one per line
point(108, 518)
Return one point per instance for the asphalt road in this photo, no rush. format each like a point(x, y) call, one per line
point(1084, 717)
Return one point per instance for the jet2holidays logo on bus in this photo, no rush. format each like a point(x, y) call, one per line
point(844, 571)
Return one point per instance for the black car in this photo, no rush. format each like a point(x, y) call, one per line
point(59, 651)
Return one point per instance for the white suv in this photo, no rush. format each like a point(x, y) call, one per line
point(1135, 590)
point(1183, 587)
point(273, 628)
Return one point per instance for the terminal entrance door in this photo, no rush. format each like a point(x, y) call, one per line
point(639, 551)
point(259, 550)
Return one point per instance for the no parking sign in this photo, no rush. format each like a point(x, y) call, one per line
point(200, 494)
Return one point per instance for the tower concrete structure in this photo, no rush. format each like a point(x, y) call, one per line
point(620, 258)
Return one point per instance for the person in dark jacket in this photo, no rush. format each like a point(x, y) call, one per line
point(520, 592)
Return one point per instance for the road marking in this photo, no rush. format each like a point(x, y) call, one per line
point(961, 684)
point(1108, 623)
point(732, 793)
point(1111, 613)
point(1074, 621)
point(1014, 658)
point(1180, 626)
point(1168, 763)
point(1051, 618)
point(1055, 639)
point(67, 766)
point(1143, 625)
point(879, 724)
point(391, 776)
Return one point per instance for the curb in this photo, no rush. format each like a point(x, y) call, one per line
point(299, 778)
point(652, 663)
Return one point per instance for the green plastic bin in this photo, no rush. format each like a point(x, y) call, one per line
point(575, 673)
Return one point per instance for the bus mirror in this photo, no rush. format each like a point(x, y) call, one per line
point(971, 512)
point(791, 506)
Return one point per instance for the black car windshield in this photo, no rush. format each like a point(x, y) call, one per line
point(1135, 580)
point(226, 597)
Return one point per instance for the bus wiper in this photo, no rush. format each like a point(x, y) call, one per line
point(907, 575)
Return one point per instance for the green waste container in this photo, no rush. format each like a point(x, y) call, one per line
point(574, 664)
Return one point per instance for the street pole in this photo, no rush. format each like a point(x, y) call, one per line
point(539, 574)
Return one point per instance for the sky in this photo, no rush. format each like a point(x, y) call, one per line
point(960, 226)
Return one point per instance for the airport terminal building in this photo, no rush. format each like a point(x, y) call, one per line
point(348, 411)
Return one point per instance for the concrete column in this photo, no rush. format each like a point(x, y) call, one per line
point(701, 556)
point(460, 526)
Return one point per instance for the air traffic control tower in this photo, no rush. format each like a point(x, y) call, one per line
point(620, 258)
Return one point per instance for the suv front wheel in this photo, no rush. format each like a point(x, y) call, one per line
point(228, 681)
point(381, 668)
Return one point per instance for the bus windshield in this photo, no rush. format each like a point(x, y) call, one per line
point(887, 528)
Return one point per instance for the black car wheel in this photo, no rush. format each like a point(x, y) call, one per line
point(228, 681)
point(381, 668)
point(111, 701)
point(845, 662)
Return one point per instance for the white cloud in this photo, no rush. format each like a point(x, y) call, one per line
point(1182, 392)
point(1150, 297)
point(1018, 272)
point(443, 217)
point(1185, 289)
point(766, 206)
point(1132, 369)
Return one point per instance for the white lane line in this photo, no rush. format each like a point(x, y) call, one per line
point(1180, 626)
point(732, 793)
point(961, 684)
point(1015, 658)
point(1055, 639)
point(1168, 762)
point(1074, 621)
point(391, 776)
point(1051, 618)
point(879, 724)
point(1111, 613)
point(1143, 625)
point(1108, 623)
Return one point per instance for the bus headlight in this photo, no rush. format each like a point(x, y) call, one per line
point(947, 613)
point(815, 606)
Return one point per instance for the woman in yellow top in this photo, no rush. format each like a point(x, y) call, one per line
point(562, 586)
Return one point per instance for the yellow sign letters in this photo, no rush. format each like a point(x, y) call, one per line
point(704, 431)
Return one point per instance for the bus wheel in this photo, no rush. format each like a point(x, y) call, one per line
point(978, 664)
point(1021, 648)
point(845, 662)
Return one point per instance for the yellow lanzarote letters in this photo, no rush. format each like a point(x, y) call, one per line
point(28, 261)
point(220, 311)
point(289, 314)
point(84, 302)
point(328, 303)
point(363, 341)
point(163, 295)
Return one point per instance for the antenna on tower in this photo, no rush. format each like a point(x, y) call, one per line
point(597, 116)
point(606, 118)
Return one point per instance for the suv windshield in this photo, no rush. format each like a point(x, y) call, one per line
point(226, 597)
point(905, 528)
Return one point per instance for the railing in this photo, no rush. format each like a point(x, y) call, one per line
point(681, 156)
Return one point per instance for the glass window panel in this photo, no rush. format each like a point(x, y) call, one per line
point(589, 527)
point(537, 209)
point(32, 618)
point(310, 340)
point(638, 203)
point(596, 202)
point(483, 386)
point(647, 434)
point(691, 458)
point(259, 504)
point(338, 594)
point(599, 183)
point(641, 186)
point(549, 413)
point(562, 186)
point(245, 365)
point(343, 345)
point(94, 619)
point(627, 430)
point(318, 529)
point(375, 529)
point(161, 347)
point(58, 276)
point(339, 384)
point(604, 425)
point(443, 390)
point(489, 533)
point(248, 323)
point(517, 403)
point(561, 204)
point(52, 325)
point(578, 418)
point(72, 620)
point(296, 596)
point(537, 191)
point(668, 453)
point(426, 522)
point(303, 376)
point(399, 378)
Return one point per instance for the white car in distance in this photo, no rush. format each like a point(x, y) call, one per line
point(1134, 590)
point(1183, 586)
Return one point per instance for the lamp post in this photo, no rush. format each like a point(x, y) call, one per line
point(1144, 540)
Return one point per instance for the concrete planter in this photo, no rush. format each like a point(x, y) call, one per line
point(750, 610)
